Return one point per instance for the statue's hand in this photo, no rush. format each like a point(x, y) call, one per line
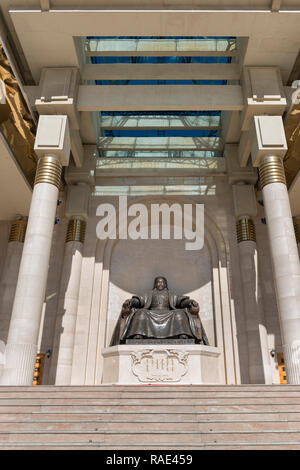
point(194, 307)
point(126, 307)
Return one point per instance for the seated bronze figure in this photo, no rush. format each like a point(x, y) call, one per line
point(159, 315)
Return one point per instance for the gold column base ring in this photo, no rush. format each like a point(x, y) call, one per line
point(49, 171)
point(76, 231)
point(18, 231)
point(271, 170)
point(245, 230)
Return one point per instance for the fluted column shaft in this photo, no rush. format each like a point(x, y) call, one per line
point(285, 260)
point(10, 274)
point(68, 301)
point(24, 327)
point(248, 264)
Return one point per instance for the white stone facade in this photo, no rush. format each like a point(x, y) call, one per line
point(111, 271)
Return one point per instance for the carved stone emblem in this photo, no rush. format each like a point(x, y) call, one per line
point(165, 365)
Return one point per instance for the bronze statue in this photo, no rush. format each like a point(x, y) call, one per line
point(159, 315)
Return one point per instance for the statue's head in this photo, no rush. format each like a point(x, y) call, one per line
point(160, 283)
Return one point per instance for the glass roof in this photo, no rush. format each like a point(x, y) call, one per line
point(131, 134)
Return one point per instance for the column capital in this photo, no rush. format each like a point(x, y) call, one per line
point(49, 171)
point(271, 170)
point(76, 230)
point(267, 138)
point(53, 138)
point(18, 230)
point(245, 230)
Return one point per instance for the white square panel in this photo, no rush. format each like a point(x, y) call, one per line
point(271, 131)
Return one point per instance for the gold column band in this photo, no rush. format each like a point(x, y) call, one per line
point(76, 231)
point(48, 171)
point(245, 230)
point(297, 229)
point(271, 170)
point(17, 231)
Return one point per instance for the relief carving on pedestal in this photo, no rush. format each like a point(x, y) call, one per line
point(167, 365)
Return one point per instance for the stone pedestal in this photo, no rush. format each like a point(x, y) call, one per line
point(161, 364)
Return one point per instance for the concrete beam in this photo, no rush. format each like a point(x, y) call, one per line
point(159, 154)
point(160, 122)
point(134, 167)
point(160, 98)
point(160, 143)
point(160, 72)
point(273, 38)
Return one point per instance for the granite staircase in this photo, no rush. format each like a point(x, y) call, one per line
point(161, 417)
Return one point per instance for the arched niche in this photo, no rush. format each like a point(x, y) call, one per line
point(124, 267)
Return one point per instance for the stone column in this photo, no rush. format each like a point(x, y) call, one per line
point(10, 274)
point(68, 301)
point(64, 338)
point(21, 348)
point(285, 260)
point(245, 209)
point(267, 150)
point(248, 264)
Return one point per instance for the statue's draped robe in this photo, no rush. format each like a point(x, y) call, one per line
point(160, 315)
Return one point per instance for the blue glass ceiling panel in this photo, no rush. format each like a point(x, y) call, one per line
point(160, 37)
point(161, 113)
point(161, 133)
point(161, 82)
point(160, 60)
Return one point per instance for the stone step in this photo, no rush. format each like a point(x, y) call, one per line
point(146, 394)
point(146, 388)
point(202, 446)
point(155, 437)
point(258, 400)
point(149, 427)
point(150, 417)
point(85, 408)
point(172, 417)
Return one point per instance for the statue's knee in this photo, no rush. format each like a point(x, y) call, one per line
point(141, 315)
point(179, 315)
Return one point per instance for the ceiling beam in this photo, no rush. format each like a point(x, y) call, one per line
point(160, 143)
point(160, 98)
point(145, 122)
point(160, 72)
point(273, 38)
